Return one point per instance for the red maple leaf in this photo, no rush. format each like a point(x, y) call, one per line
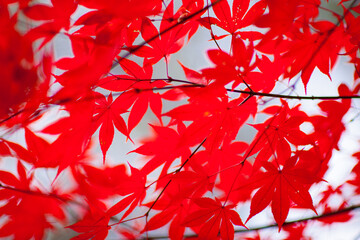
point(296, 232)
point(214, 217)
point(17, 80)
point(309, 50)
point(284, 17)
point(175, 203)
point(26, 206)
point(280, 186)
point(241, 16)
point(175, 213)
point(339, 216)
point(234, 67)
point(93, 225)
point(278, 132)
point(56, 16)
point(100, 183)
point(169, 42)
point(165, 147)
point(108, 114)
point(125, 11)
point(74, 133)
point(213, 118)
point(135, 189)
point(136, 88)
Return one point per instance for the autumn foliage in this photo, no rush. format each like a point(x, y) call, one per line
point(224, 151)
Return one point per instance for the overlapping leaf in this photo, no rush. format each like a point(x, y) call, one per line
point(26, 206)
point(281, 187)
point(241, 17)
point(214, 217)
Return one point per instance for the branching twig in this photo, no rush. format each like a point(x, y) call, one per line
point(163, 190)
point(179, 22)
point(319, 217)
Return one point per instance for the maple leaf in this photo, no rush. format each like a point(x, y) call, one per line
point(134, 188)
point(93, 225)
point(174, 213)
point(242, 67)
point(270, 71)
point(340, 217)
point(280, 186)
point(225, 163)
point(108, 114)
point(284, 17)
point(115, 22)
point(17, 81)
point(167, 43)
point(81, 48)
point(174, 204)
point(214, 217)
point(56, 16)
point(278, 131)
point(136, 90)
point(234, 67)
point(242, 16)
point(210, 164)
point(37, 151)
point(165, 147)
point(194, 183)
point(84, 65)
point(74, 133)
point(126, 10)
point(26, 206)
point(309, 50)
point(296, 232)
point(329, 128)
point(356, 172)
point(99, 183)
point(4, 149)
point(190, 7)
point(353, 29)
point(312, 162)
point(214, 118)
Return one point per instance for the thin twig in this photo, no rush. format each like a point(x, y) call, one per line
point(179, 22)
point(319, 217)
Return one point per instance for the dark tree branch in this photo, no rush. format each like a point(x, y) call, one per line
point(41, 194)
point(250, 92)
point(289, 223)
point(180, 21)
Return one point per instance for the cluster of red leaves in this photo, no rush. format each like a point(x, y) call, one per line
point(203, 165)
